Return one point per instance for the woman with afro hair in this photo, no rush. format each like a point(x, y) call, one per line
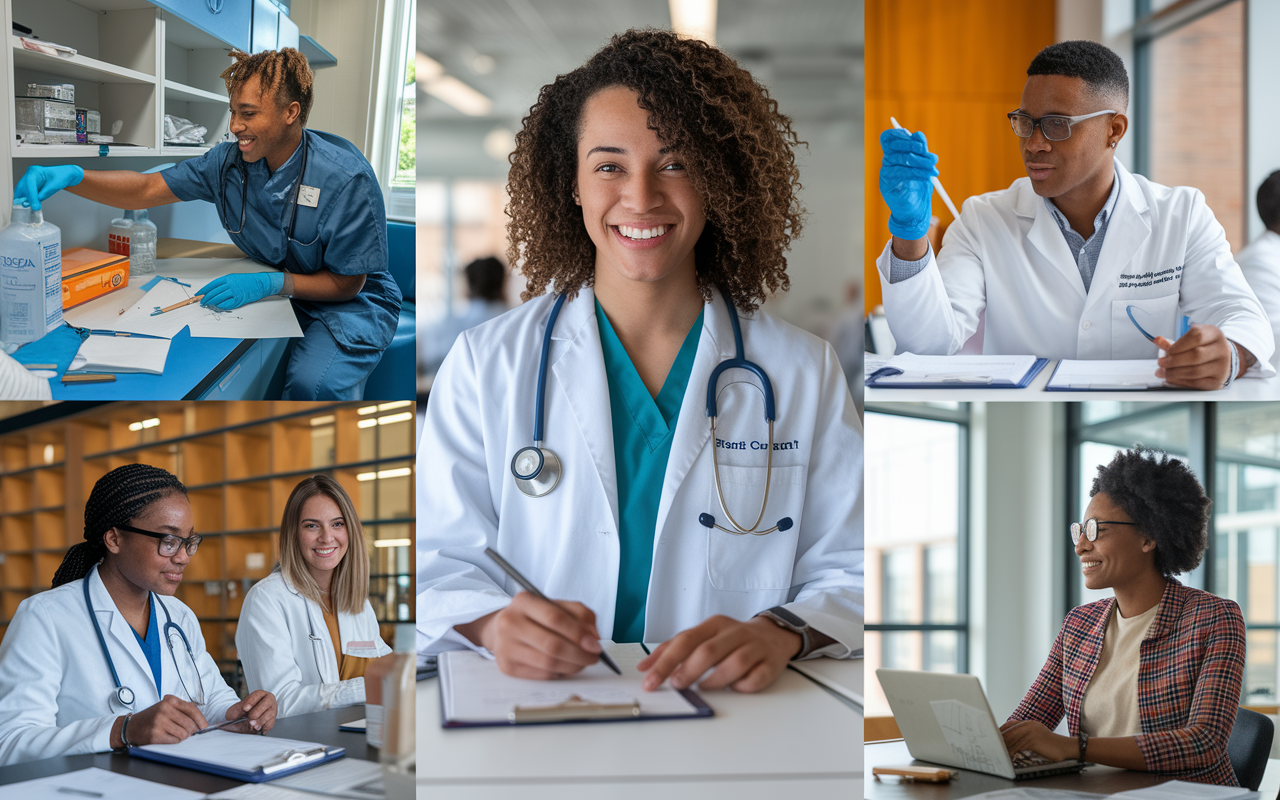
point(653, 196)
point(1150, 679)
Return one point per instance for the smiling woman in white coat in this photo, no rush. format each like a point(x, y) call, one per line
point(108, 658)
point(1081, 259)
point(307, 631)
point(654, 193)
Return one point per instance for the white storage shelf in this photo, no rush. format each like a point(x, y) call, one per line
point(120, 71)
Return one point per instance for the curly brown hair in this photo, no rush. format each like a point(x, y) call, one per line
point(284, 72)
point(735, 144)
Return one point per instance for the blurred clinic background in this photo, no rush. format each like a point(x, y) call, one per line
point(1202, 104)
point(480, 64)
point(970, 566)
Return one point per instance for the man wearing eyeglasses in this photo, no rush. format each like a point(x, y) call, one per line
point(1081, 259)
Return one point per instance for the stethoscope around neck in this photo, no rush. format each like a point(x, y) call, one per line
point(123, 694)
point(244, 191)
point(537, 470)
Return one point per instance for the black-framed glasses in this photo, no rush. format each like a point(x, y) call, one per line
point(169, 543)
point(1055, 127)
point(1090, 528)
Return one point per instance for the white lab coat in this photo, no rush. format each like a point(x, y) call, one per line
point(566, 543)
point(285, 648)
point(57, 697)
point(1260, 263)
point(1164, 253)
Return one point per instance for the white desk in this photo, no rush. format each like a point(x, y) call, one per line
point(796, 735)
point(1242, 389)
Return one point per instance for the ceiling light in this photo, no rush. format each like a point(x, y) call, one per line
point(392, 542)
point(694, 19)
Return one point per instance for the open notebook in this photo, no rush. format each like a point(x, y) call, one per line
point(474, 692)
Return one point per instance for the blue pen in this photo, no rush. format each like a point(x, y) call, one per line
point(1184, 326)
point(83, 331)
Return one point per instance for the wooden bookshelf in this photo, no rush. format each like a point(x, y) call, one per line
point(239, 462)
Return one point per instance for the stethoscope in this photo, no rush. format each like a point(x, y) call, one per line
point(123, 694)
point(537, 470)
point(244, 190)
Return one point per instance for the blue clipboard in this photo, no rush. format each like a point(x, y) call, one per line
point(1102, 387)
point(255, 776)
point(873, 380)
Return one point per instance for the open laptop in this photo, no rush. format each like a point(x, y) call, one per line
point(945, 719)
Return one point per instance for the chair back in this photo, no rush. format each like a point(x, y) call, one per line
point(401, 257)
point(1249, 747)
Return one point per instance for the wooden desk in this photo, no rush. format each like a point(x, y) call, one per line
point(321, 726)
point(795, 737)
point(1096, 779)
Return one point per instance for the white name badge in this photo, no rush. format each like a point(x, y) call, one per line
point(308, 196)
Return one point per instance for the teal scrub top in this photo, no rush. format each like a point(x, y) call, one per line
point(643, 427)
point(151, 645)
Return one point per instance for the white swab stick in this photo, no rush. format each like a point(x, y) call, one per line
point(937, 184)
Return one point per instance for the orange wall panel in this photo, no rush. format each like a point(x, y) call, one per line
point(953, 69)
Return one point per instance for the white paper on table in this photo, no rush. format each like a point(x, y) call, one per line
point(1183, 790)
point(121, 354)
point(346, 777)
point(830, 672)
point(980, 370)
point(256, 791)
point(100, 782)
point(974, 741)
point(1120, 375)
point(266, 319)
point(474, 690)
point(226, 749)
point(1031, 793)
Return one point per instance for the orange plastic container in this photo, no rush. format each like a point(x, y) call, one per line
point(87, 274)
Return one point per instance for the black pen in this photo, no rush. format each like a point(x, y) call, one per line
point(533, 590)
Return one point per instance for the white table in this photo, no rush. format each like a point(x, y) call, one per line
point(1242, 389)
point(796, 735)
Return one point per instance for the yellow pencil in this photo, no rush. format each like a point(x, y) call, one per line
point(186, 302)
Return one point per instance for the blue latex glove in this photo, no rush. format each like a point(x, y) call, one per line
point(240, 289)
point(41, 183)
point(904, 182)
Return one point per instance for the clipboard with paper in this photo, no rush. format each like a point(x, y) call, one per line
point(236, 755)
point(474, 692)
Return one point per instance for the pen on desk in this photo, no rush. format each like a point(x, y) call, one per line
point(186, 302)
point(81, 792)
point(533, 590)
point(937, 184)
point(220, 726)
point(88, 377)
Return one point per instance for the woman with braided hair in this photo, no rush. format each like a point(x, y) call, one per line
point(108, 658)
point(306, 204)
point(654, 194)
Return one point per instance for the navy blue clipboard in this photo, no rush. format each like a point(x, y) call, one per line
point(874, 380)
point(256, 776)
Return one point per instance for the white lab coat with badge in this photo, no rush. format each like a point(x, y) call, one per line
point(1164, 254)
point(566, 542)
point(57, 697)
point(285, 648)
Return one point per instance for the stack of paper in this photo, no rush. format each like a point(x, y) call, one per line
point(909, 369)
point(94, 782)
point(1101, 376)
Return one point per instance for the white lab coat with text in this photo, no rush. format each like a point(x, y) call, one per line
point(566, 542)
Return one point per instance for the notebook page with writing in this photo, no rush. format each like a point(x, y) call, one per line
point(234, 750)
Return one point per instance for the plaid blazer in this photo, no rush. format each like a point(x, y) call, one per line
point(1190, 669)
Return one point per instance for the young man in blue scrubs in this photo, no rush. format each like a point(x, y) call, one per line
point(328, 235)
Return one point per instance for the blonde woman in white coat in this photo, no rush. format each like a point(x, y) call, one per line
point(307, 630)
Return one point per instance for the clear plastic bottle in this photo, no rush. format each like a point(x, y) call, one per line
point(142, 243)
point(397, 752)
point(30, 277)
point(118, 236)
point(134, 235)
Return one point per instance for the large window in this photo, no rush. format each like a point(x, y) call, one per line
point(1190, 102)
point(916, 551)
point(1234, 448)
